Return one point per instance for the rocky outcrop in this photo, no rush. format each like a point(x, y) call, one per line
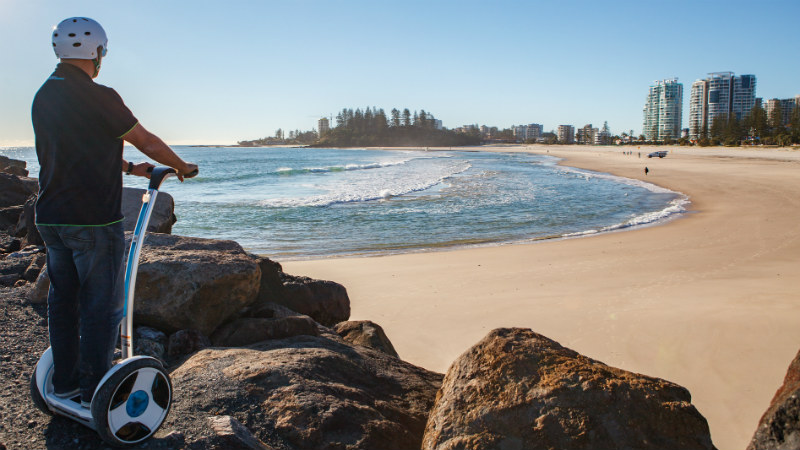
point(261, 322)
point(308, 392)
point(13, 166)
point(193, 283)
point(365, 333)
point(516, 389)
point(325, 301)
point(779, 427)
point(185, 342)
point(14, 190)
point(249, 330)
point(23, 265)
point(161, 219)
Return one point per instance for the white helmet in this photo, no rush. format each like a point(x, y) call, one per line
point(79, 38)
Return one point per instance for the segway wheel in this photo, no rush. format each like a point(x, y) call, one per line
point(36, 395)
point(131, 404)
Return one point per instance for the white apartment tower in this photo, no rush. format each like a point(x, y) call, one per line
point(720, 95)
point(663, 111)
point(566, 134)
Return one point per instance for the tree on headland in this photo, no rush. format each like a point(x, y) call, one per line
point(371, 127)
point(406, 118)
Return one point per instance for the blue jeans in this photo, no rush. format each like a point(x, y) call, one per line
point(84, 305)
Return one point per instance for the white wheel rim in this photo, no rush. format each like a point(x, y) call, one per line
point(137, 415)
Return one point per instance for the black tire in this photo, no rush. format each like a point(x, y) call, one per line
point(36, 395)
point(133, 403)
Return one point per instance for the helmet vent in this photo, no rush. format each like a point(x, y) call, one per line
point(72, 35)
point(77, 44)
point(88, 33)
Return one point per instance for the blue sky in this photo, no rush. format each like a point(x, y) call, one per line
point(217, 72)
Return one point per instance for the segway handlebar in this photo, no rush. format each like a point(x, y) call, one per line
point(159, 174)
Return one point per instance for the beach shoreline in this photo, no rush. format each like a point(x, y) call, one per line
point(708, 300)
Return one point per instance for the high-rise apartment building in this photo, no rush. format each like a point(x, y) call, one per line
point(323, 126)
point(787, 106)
point(566, 134)
point(720, 95)
point(663, 111)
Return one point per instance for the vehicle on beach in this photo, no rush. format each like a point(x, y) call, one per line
point(660, 154)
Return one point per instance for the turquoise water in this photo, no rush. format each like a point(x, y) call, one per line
point(291, 203)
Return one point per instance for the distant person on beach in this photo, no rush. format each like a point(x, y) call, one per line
point(646, 171)
point(80, 127)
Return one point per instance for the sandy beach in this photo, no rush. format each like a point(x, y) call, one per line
point(710, 300)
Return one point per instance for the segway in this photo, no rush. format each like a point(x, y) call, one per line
point(132, 400)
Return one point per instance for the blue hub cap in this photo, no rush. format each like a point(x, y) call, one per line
point(137, 403)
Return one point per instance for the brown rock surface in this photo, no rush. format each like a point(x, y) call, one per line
point(192, 283)
point(779, 427)
point(365, 333)
point(324, 301)
point(308, 393)
point(161, 219)
point(516, 389)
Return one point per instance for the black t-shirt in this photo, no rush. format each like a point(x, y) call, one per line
point(79, 127)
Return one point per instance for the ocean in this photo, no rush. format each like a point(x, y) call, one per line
point(298, 203)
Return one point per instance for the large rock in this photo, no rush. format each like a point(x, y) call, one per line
point(161, 219)
point(365, 333)
point(249, 330)
point(325, 301)
point(516, 389)
point(192, 283)
point(779, 427)
point(307, 393)
point(14, 190)
point(13, 166)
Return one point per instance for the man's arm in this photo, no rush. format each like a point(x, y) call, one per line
point(152, 146)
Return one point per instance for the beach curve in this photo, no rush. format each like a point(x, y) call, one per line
point(709, 301)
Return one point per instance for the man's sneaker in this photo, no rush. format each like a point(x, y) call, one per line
point(67, 395)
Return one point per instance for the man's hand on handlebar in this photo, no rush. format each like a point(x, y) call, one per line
point(189, 171)
point(142, 169)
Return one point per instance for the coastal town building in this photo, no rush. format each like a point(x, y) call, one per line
point(566, 134)
point(663, 111)
point(720, 95)
point(323, 126)
point(528, 132)
point(787, 106)
point(586, 135)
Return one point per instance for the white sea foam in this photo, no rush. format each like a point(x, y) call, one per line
point(393, 180)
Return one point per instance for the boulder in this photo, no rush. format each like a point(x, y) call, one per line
point(9, 217)
point(149, 341)
point(779, 427)
point(26, 226)
point(365, 333)
point(14, 190)
point(15, 265)
point(41, 288)
point(230, 434)
point(516, 389)
point(249, 330)
point(161, 219)
point(184, 342)
point(324, 301)
point(8, 243)
point(13, 166)
point(271, 289)
point(307, 392)
point(192, 283)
